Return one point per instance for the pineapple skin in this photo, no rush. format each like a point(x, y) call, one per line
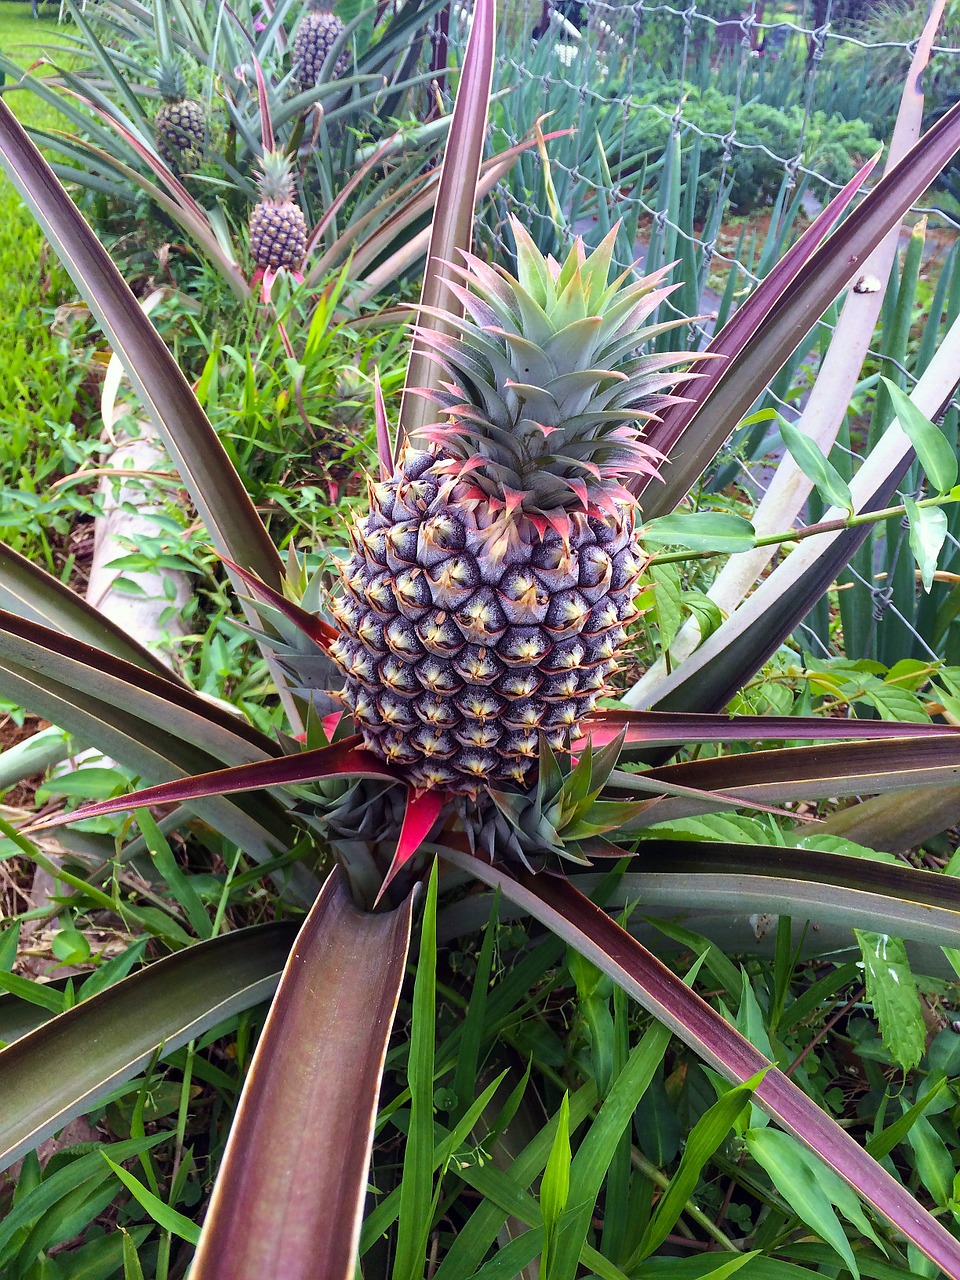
point(278, 235)
point(181, 132)
point(457, 654)
point(315, 34)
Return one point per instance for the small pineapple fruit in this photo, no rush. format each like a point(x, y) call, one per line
point(315, 35)
point(488, 590)
point(180, 125)
point(278, 229)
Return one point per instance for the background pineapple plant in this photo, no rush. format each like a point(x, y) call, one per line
point(489, 588)
point(180, 125)
point(278, 228)
point(316, 33)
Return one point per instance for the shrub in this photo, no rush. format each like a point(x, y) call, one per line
point(763, 139)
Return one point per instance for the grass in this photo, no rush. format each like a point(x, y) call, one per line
point(39, 378)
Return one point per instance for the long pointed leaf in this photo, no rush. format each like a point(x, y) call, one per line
point(346, 758)
point(203, 464)
point(766, 337)
point(453, 218)
point(812, 773)
point(823, 414)
point(110, 1037)
point(835, 888)
point(710, 676)
point(290, 1193)
point(28, 592)
point(641, 727)
point(559, 906)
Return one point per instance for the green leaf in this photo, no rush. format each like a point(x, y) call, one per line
point(598, 1148)
point(933, 1159)
point(706, 612)
point(92, 783)
point(666, 601)
point(934, 452)
point(555, 1185)
point(705, 1137)
point(132, 1269)
point(9, 943)
point(797, 1181)
point(815, 465)
point(416, 1185)
point(717, 531)
point(892, 991)
point(70, 946)
point(86, 1168)
point(161, 1213)
point(110, 1037)
point(928, 532)
point(883, 1143)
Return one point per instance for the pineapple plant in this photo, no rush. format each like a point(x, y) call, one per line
point(180, 125)
point(278, 228)
point(489, 589)
point(316, 33)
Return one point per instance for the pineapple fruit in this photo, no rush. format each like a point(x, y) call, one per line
point(488, 590)
point(278, 228)
point(314, 38)
point(180, 125)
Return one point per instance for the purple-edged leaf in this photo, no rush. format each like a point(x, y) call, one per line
point(824, 411)
point(733, 344)
point(708, 679)
point(112, 1036)
point(453, 216)
point(319, 631)
point(759, 342)
point(289, 1196)
point(810, 773)
point(263, 101)
point(29, 592)
point(155, 726)
point(558, 905)
point(834, 888)
point(419, 819)
point(679, 727)
point(214, 486)
point(97, 673)
point(384, 443)
point(342, 759)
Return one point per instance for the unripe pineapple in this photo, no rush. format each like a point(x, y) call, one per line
point(315, 36)
point(278, 229)
point(488, 590)
point(180, 125)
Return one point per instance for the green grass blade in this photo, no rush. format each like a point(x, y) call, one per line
point(416, 1187)
point(704, 1139)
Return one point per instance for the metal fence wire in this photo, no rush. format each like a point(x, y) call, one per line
point(712, 132)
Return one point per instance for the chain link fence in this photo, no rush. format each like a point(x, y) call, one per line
point(713, 132)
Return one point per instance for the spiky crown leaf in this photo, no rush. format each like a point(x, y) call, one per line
point(171, 81)
point(548, 394)
point(275, 176)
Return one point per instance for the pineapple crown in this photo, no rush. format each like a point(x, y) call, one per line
point(171, 81)
point(548, 395)
point(275, 176)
